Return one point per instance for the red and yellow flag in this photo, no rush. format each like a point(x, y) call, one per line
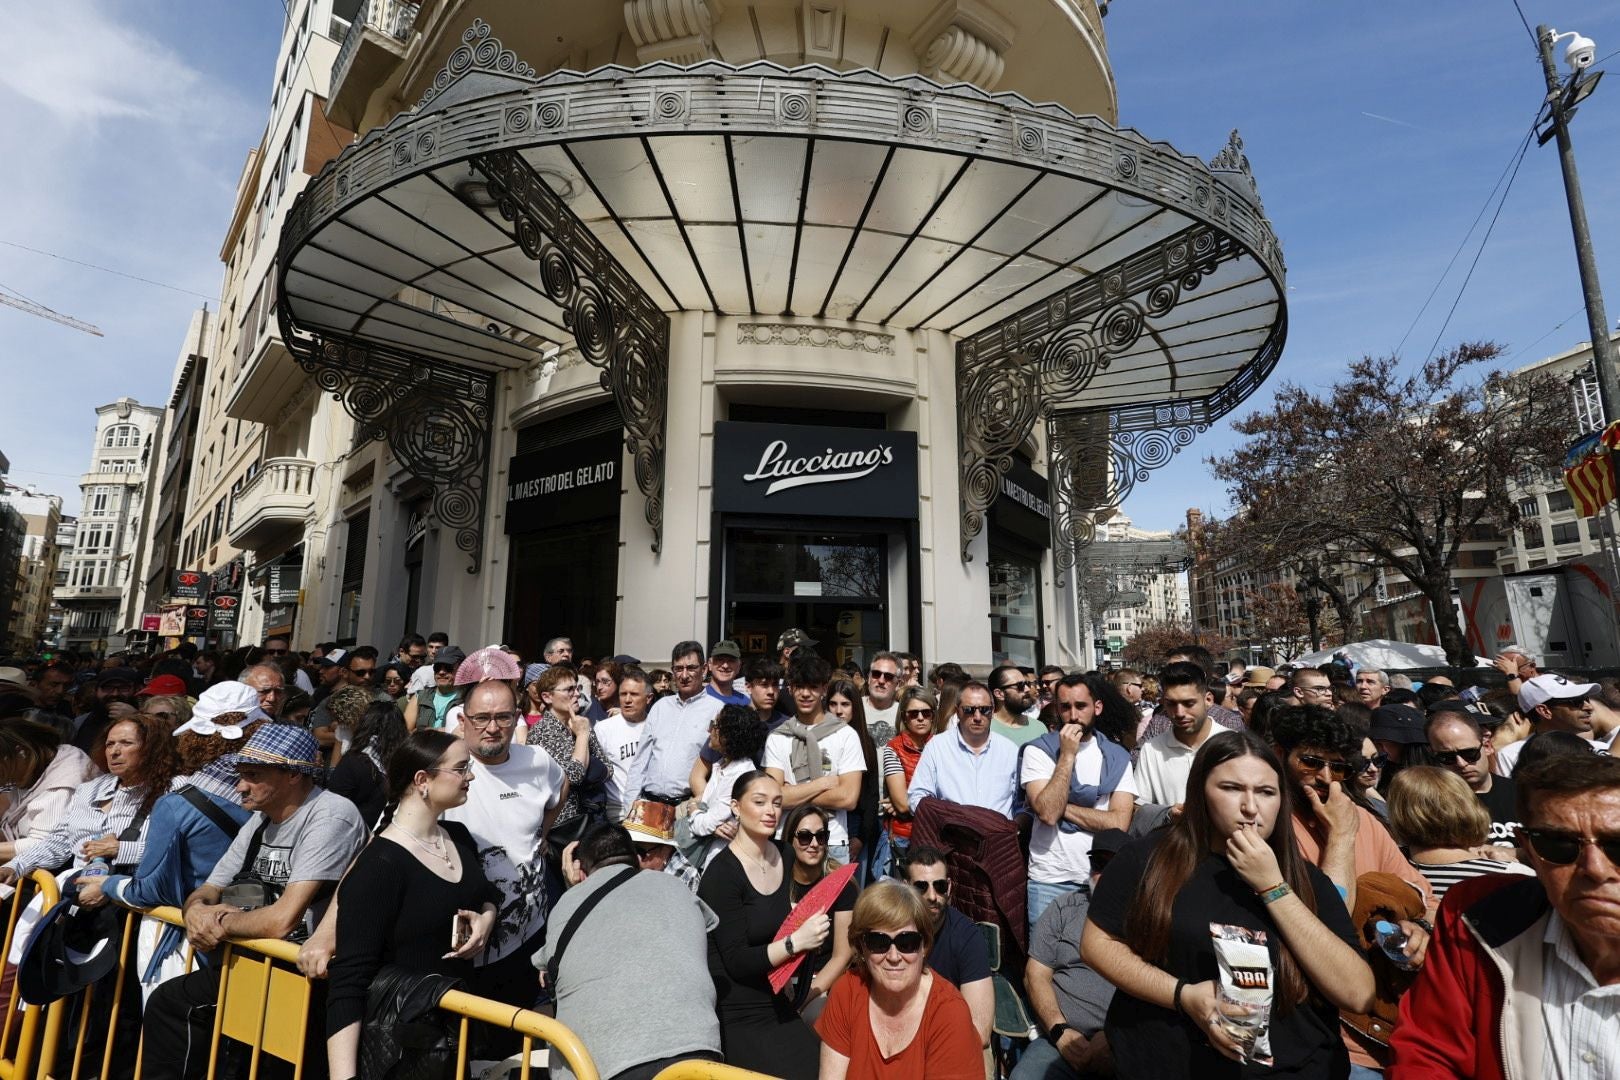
point(1589, 470)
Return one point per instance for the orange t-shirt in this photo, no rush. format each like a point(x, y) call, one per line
point(946, 1046)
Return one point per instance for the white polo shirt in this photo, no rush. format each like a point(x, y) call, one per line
point(1163, 765)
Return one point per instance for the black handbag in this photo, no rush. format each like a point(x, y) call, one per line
point(405, 1036)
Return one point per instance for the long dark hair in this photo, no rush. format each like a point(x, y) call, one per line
point(420, 750)
point(1192, 839)
point(857, 720)
point(382, 728)
point(1116, 718)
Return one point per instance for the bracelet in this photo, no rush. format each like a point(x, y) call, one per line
point(1275, 893)
point(1181, 984)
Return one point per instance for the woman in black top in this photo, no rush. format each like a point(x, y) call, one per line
point(747, 888)
point(398, 901)
point(1229, 859)
point(804, 840)
point(359, 775)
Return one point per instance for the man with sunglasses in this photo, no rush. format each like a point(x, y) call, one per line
point(1552, 703)
point(1458, 743)
point(969, 764)
point(276, 650)
point(1523, 972)
point(1014, 693)
point(883, 679)
point(959, 954)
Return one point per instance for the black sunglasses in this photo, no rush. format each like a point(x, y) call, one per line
point(926, 714)
point(1377, 761)
point(883, 676)
point(976, 710)
point(1561, 847)
point(941, 887)
point(1449, 757)
point(804, 836)
point(878, 943)
point(1340, 769)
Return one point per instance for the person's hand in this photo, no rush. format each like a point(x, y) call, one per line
point(1253, 859)
point(120, 710)
point(809, 937)
point(1203, 1006)
point(572, 874)
point(1417, 942)
point(1076, 1049)
point(727, 830)
point(90, 891)
point(1337, 811)
point(885, 807)
point(579, 725)
point(1175, 813)
point(1070, 736)
point(1507, 665)
point(315, 954)
point(8, 875)
point(203, 927)
point(481, 922)
point(105, 848)
point(1496, 853)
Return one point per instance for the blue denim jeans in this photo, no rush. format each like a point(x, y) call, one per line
point(1041, 1061)
point(1361, 1072)
point(1042, 893)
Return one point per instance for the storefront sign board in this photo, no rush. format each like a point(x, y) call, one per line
point(814, 471)
point(563, 485)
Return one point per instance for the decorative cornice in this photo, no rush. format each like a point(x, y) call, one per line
point(958, 56)
point(815, 337)
point(677, 31)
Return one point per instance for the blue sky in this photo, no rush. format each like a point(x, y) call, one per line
point(1375, 134)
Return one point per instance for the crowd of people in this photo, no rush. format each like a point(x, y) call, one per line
point(1209, 869)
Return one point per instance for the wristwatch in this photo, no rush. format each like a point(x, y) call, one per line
point(788, 941)
point(1055, 1032)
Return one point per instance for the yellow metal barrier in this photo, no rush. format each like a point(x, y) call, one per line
point(707, 1070)
point(21, 1038)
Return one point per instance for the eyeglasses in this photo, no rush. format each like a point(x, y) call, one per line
point(1377, 761)
point(882, 676)
point(464, 769)
point(274, 652)
point(1325, 688)
point(878, 943)
point(494, 719)
point(1470, 754)
point(921, 714)
point(1561, 847)
point(942, 887)
point(1341, 769)
point(804, 837)
point(687, 669)
point(976, 710)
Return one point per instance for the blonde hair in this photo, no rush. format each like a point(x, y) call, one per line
point(1433, 807)
point(178, 704)
point(888, 906)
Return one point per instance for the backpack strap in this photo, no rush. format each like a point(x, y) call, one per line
point(578, 917)
point(209, 809)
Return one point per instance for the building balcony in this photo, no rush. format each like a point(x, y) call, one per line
point(269, 379)
point(273, 504)
point(71, 594)
point(370, 52)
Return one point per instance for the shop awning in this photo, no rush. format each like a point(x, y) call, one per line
point(506, 215)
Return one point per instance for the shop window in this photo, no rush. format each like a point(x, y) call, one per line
point(1015, 611)
point(833, 585)
point(1568, 532)
point(354, 575)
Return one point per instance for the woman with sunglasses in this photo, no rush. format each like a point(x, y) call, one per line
point(916, 711)
point(806, 836)
point(891, 1017)
point(1369, 766)
point(171, 707)
point(747, 886)
point(1230, 859)
point(416, 899)
point(1443, 827)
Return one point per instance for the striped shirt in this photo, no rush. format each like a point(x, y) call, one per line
point(99, 808)
point(1443, 876)
point(1579, 1017)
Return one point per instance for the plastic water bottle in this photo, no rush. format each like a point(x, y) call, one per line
point(98, 868)
point(1392, 939)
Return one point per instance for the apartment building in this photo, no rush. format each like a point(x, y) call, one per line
point(41, 516)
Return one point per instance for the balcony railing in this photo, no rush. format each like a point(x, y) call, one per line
point(276, 501)
point(389, 18)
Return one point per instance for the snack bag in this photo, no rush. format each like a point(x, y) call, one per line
point(1246, 979)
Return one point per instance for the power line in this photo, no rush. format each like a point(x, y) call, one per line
point(107, 270)
point(1526, 22)
point(1484, 240)
point(1512, 165)
point(1578, 311)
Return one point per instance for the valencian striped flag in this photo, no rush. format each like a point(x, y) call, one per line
point(1589, 470)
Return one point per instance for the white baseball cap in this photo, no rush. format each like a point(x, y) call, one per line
point(1545, 688)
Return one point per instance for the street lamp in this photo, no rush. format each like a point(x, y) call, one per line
point(1563, 95)
point(1313, 610)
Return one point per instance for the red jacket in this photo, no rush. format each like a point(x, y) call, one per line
point(1474, 1011)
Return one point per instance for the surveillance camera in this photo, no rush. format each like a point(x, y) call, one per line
point(1579, 53)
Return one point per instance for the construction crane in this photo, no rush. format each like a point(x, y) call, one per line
point(11, 298)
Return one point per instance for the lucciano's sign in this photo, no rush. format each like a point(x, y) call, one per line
point(787, 469)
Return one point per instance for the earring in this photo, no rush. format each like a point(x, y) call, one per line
point(423, 793)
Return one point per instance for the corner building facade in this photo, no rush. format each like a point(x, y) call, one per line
point(660, 321)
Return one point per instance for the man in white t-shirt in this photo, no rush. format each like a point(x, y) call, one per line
point(620, 737)
point(882, 687)
point(1165, 760)
point(816, 757)
point(509, 809)
point(1078, 783)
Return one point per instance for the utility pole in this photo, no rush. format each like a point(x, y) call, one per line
point(1560, 104)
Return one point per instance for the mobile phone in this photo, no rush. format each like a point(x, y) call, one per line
point(460, 931)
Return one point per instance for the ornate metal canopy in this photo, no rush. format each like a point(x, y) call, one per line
point(1082, 267)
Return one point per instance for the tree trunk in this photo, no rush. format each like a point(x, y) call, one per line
point(1450, 631)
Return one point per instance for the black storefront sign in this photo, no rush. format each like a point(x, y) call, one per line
point(282, 583)
point(227, 579)
point(1023, 507)
point(224, 608)
point(814, 471)
point(196, 619)
point(564, 485)
point(189, 585)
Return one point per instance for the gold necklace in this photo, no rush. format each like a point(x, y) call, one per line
point(763, 864)
point(439, 851)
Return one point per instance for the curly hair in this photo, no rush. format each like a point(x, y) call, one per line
point(160, 760)
point(1313, 725)
point(347, 704)
point(742, 733)
point(198, 751)
point(553, 677)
